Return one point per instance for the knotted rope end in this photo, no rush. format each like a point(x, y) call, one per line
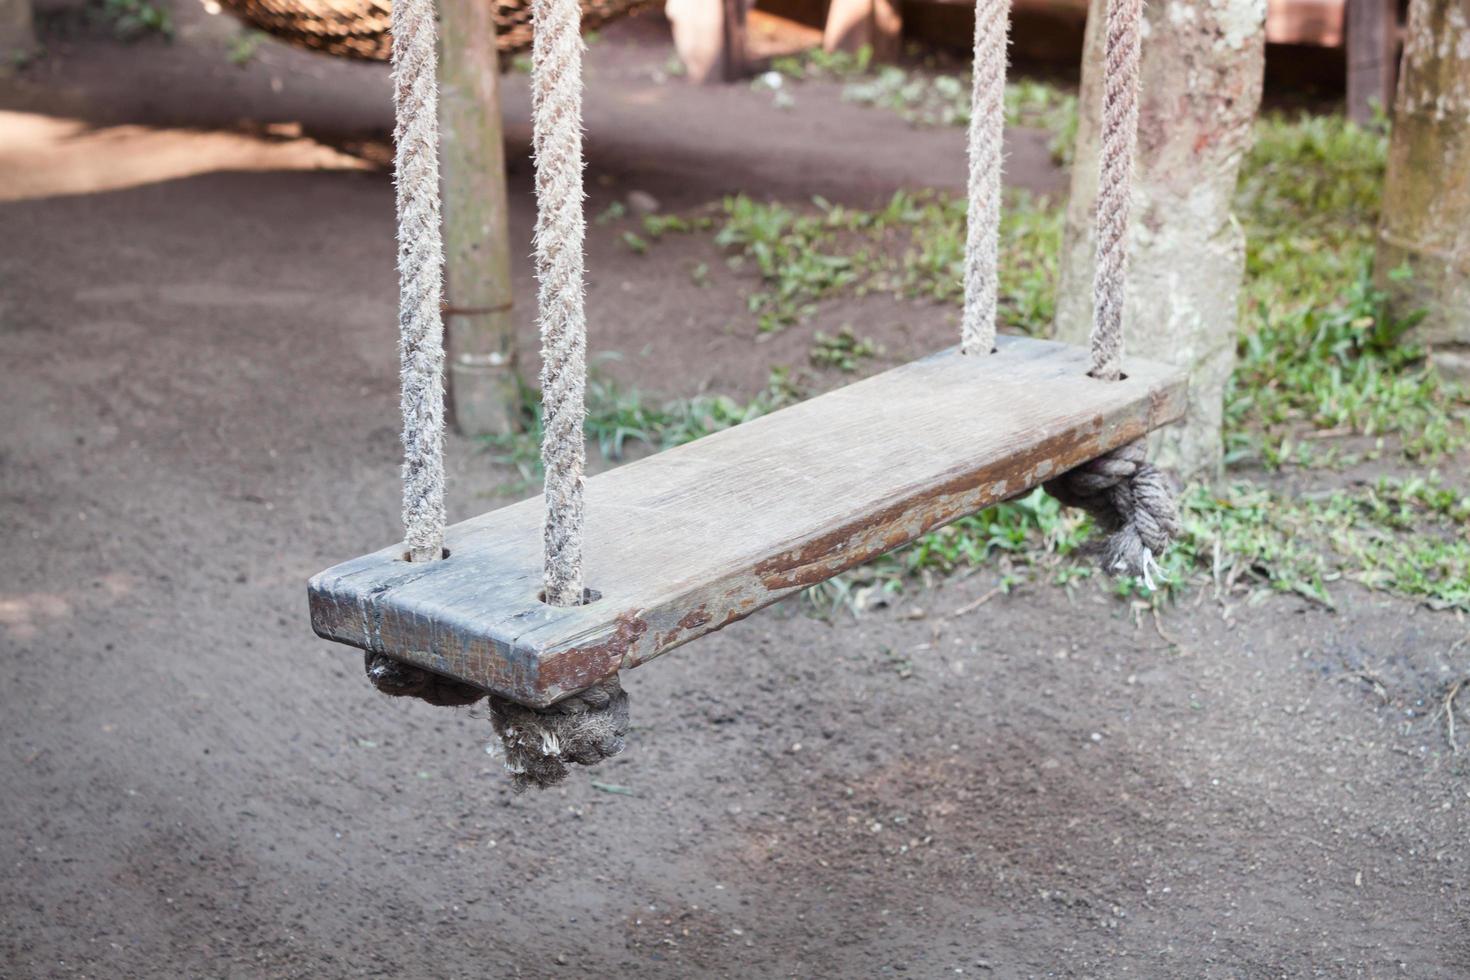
point(539, 743)
point(1133, 501)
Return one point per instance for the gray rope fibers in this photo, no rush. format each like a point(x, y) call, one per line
point(1132, 501)
point(987, 131)
point(556, 93)
point(420, 276)
point(1115, 185)
point(539, 743)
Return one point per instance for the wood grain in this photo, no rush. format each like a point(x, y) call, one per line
point(697, 537)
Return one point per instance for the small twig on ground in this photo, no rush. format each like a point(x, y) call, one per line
point(1163, 635)
point(1373, 681)
point(1341, 430)
point(612, 788)
point(970, 607)
point(1448, 709)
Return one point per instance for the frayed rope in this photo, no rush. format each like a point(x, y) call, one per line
point(1130, 499)
point(539, 743)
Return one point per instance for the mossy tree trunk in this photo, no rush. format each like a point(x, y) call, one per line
point(1426, 200)
point(1201, 86)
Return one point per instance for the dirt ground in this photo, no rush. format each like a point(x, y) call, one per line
point(199, 411)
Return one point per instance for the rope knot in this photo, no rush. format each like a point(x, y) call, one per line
point(1130, 499)
point(538, 742)
point(585, 728)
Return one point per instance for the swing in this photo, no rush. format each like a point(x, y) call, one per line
point(689, 540)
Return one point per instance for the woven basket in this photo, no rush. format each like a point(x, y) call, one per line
point(359, 28)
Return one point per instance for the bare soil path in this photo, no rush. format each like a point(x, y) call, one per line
point(198, 395)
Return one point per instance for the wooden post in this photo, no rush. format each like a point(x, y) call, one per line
point(1200, 88)
point(854, 23)
point(1372, 42)
point(480, 331)
point(732, 54)
point(17, 34)
point(709, 36)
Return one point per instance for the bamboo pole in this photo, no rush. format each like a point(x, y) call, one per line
point(479, 326)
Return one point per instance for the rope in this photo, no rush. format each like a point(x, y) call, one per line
point(584, 729)
point(590, 726)
point(987, 130)
point(420, 272)
point(556, 91)
point(1132, 501)
point(1115, 186)
point(539, 743)
point(400, 680)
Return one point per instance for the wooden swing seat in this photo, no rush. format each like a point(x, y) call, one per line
point(690, 540)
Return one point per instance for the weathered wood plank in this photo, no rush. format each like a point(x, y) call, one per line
point(695, 538)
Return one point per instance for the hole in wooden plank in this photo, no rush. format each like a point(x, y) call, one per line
point(589, 596)
point(405, 556)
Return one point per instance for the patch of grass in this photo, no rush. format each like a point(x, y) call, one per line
point(796, 255)
point(636, 243)
point(1042, 105)
point(659, 225)
point(921, 99)
point(133, 20)
point(842, 351)
point(1402, 536)
point(826, 65)
point(911, 248)
point(617, 417)
point(243, 48)
point(1405, 537)
point(1319, 348)
point(927, 99)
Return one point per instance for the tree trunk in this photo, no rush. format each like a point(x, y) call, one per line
point(484, 394)
point(1201, 86)
point(853, 24)
point(709, 36)
point(1426, 199)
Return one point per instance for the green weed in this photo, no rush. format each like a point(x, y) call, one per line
point(843, 351)
point(925, 99)
point(911, 248)
point(243, 48)
point(826, 65)
point(133, 20)
point(617, 417)
point(1318, 347)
